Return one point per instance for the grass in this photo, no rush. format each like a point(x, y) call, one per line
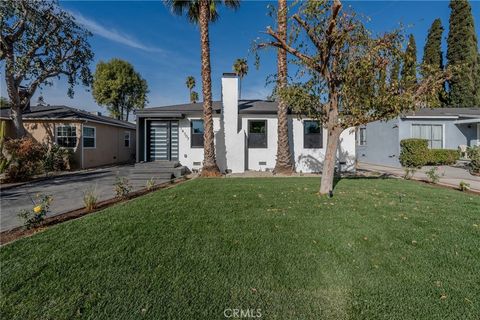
point(380, 249)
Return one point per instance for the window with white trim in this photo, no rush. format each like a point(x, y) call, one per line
point(66, 136)
point(312, 134)
point(89, 137)
point(126, 139)
point(362, 136)
point(433, 133)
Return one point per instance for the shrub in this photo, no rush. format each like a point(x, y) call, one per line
point(56, 158)
point(464, 186)
point(409, 173)
point(432, 175)
point(36, 215)
point(474, 156)
point(90, 199)
point(150, 184)
point(414, 153)
point(25, 154)
point(122, 187)
point(443, 157)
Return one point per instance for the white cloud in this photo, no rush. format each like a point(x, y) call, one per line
point(111, 34)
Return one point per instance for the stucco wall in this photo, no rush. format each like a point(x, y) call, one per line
point(110, 147)
point(382, 144)
point(44, 132)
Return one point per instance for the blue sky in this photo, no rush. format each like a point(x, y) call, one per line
point(165, 49)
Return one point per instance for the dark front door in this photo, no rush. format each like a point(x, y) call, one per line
point(163, 140)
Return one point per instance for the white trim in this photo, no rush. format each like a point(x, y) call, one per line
point(94, 137)
point(430, 117)
point(428, 124)
point(56, 126)
point(145, 138)
point(475, 120)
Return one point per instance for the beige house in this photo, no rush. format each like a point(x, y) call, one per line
point(95, 140)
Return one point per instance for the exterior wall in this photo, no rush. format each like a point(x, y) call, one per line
point(453, 134)
point(238, 158)
point(382, 145)
point(44, 132)
point(110, 147)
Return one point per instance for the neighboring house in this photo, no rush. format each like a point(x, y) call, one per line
point(445, 128)
point(245, 135)
point(95, 140)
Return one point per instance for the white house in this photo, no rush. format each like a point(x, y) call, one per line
point(245, 135)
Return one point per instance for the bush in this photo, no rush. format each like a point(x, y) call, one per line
point(90, 199)
point(474, 156)
point(36, 215)
point(432, 175)
point(122, 188)
point(463, 186)
point(443, 157)
point(56, 159)
point(414, 153)
point(25, 154)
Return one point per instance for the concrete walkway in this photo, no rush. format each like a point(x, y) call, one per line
point(449, 176)
point(67, 192)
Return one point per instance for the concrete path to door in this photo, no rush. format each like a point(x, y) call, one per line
point(449, 176)
point(67, 192)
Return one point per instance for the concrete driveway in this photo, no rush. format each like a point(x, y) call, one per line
point(67, 192)
point(449, 176)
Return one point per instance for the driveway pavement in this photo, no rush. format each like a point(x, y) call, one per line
point(67, 192)
point(449, 176)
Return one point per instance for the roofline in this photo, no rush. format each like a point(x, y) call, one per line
point(429, 117)
point(133, 126)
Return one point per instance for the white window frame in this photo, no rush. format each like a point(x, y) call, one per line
point(359, 137)
point(429, 124)
point(64, 126)
point(129, 139)
point(94, 137)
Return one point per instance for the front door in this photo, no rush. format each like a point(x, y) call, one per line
point(163, 140)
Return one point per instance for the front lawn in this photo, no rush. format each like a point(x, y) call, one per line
point(380, 249)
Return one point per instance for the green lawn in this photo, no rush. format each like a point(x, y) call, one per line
point(380, 249)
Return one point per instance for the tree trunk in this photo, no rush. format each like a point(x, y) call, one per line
point(284, 158)
point(210, 167)
point(16, 114)
point(333, 130)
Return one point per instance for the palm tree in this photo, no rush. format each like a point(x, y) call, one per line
point(190, 83)
point(241, 69)
point(193, 97)
point(284, 157)
point(202, 12)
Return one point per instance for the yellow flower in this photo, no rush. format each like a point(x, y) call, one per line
point(37, 209)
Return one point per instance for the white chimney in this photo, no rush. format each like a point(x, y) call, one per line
point(234, 137)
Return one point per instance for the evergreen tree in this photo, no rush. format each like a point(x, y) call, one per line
point(433, 55)
point(462, 53)
point(409, 71)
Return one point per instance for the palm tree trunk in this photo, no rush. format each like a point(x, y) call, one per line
point(210, 167)
point(284, 158)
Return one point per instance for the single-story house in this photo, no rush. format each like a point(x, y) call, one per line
point(95, 140)
point(245, 135)
point(445, 128)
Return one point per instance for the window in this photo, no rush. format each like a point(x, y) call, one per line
point(362, 136)
point(257, 134)
point(126, 139)
point(196, 133)
point(89, 137)
point(312, 135)
point(66, 136)
point(432, 132)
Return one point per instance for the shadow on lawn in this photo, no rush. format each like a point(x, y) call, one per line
point(337, 178)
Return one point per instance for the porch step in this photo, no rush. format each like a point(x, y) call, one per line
point(158, 164)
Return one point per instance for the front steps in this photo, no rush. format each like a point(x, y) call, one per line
point(158, 170)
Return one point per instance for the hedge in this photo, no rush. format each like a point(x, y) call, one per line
point(414, 153)
point(443, 157)
point(474, 156)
